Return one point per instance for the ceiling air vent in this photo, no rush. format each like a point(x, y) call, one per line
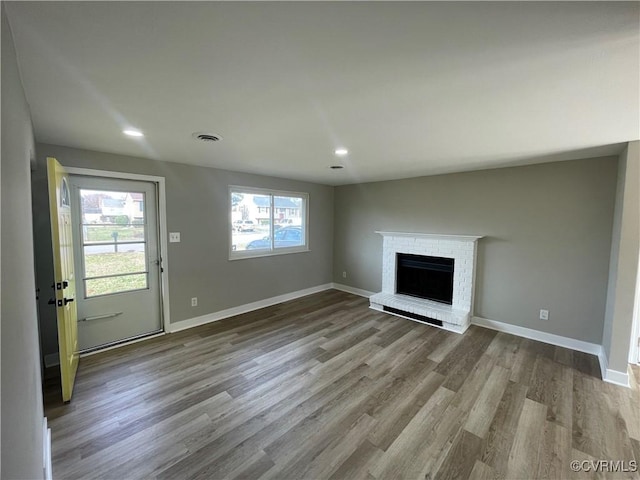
point(207, 137)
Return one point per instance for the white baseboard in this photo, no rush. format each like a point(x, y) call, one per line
point(353, 290)
point(46, 450)
point(249, 307)
point(617, 378)
point(610, 376)
point(53, 359)
point(558, 340)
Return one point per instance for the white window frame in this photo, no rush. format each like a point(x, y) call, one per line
point(242, 254)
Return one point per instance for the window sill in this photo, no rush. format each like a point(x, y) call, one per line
point(244, 254)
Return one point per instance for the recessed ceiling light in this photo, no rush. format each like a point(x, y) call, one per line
point(133, 133)
point(341, 152)
point(336, 167)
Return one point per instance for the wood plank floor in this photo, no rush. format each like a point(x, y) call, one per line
point(325, 388)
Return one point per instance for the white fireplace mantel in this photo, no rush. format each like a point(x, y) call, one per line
point(435, 236)
point(462, 248)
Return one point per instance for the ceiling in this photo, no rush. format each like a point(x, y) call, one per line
point(408, 88)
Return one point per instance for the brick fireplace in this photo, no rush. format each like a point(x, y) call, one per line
point(461, 249)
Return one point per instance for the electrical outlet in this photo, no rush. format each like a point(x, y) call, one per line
point(174, 237)
point(194, 302)
point(544, 314)
point(344, 274)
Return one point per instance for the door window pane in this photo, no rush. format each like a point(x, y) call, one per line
point(114, 241)
point(111, 207)
point(117, 284)
point(113, 233)
point(99, 264)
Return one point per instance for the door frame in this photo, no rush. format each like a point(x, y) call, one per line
point(162, 232)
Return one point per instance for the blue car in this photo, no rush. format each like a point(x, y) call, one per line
point(284, 237)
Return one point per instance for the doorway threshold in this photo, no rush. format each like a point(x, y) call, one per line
point(120, 343)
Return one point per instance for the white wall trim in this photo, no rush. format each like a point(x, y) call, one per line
point(634, 347)
point(53, 359)
point(162, 226)
point(617, 378)
point(249, 307)
point(353, 290)
point(610, 376)
point(91, 172)
point(602, 358)
point(46, 450)
point(553, 339)
point(164, 252)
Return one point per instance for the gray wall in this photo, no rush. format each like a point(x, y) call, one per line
point(623, 268)
point(22, 412)
point(199, 266)
point(547, 227)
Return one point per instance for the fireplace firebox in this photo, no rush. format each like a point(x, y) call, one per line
point(425, 277)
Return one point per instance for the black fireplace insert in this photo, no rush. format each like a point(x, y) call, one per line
point(425, 277)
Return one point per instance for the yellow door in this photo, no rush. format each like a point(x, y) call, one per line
point(65, 280)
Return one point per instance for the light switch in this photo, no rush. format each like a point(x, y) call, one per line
point(174, 237)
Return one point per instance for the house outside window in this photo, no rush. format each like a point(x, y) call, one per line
point(256, 232)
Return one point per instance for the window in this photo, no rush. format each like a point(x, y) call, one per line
point(256, 232)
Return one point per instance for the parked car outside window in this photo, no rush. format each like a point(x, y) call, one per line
point(284, 237)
